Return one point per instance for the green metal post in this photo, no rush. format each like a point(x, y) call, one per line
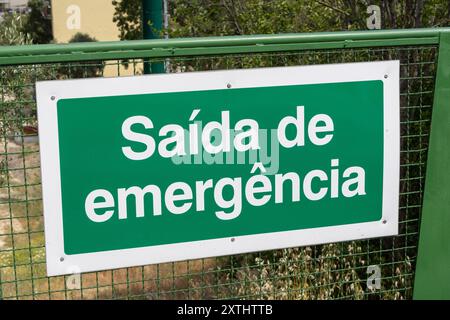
point(433, 261)
point(152, 24)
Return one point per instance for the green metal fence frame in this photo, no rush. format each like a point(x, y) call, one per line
point(432, 278)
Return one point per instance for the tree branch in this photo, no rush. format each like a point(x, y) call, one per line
point(332, 7)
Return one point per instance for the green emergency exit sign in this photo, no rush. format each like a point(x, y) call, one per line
point(161, 168)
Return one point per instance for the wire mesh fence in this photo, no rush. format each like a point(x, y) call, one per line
point(331, 271)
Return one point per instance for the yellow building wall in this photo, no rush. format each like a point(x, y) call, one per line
point(93, 17)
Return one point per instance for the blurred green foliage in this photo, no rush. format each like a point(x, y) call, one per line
point(84, 69)
point(38, 23)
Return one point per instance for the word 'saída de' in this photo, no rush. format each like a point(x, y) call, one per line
point(180, 197)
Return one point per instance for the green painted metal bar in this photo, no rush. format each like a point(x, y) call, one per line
point(162, 48)
point(432, 280)
point(186, 52)
point(152, 24)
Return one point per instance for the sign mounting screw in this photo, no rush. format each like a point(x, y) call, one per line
point(229, 85)
point(52, 98)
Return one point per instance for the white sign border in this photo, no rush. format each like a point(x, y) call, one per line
point(49, 92)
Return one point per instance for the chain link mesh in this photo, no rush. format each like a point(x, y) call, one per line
point(331, 271)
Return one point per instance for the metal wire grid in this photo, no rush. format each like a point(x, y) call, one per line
point(331, 271)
